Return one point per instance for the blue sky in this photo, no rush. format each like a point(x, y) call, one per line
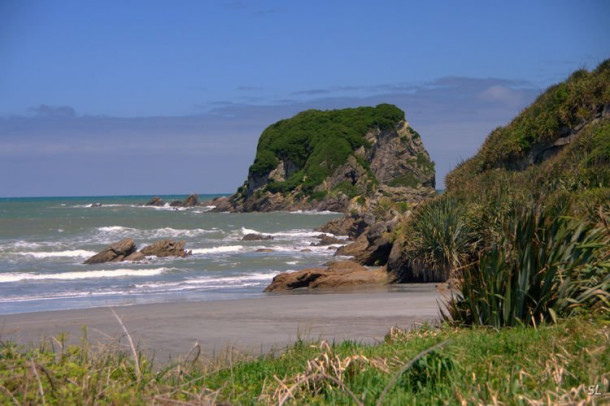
point(155, 97)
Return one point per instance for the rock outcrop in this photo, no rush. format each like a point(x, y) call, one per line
point(166, 248)
point(156, 201)
point(116, 252)
point(191, 201)
point(126, 250)
point(336, 275)
point(322, 160)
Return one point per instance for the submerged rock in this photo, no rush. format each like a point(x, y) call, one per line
point(256, 237)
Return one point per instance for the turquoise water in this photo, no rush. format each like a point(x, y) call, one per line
point(44, 241)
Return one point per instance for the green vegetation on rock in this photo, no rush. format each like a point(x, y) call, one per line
point(317, 142)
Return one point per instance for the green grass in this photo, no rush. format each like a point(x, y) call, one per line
point(546, 364)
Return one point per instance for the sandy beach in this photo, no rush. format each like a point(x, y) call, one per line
point(170, 330)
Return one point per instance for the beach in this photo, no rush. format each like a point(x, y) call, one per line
point(255, 326)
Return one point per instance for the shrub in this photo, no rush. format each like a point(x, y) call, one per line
point(540, 268)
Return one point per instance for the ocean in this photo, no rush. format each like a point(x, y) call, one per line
point(44, 242)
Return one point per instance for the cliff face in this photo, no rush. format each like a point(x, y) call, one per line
point(324, 159)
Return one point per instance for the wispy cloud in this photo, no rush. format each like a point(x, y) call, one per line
point(45, 110)
point(212, 151)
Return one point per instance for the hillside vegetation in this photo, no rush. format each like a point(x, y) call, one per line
point(523, 225)
point(317, 142)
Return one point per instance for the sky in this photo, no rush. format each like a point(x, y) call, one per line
point(156, 97)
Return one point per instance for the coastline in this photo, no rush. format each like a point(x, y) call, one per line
point(254, 326)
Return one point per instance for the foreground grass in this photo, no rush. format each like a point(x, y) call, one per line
point(551, 364)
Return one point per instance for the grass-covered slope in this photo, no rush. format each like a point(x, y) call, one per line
point(524, 224)
point(558, 113)
point(316, 142)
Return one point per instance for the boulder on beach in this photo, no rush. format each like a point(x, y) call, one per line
point(166, 248)
point(336, 275)
point(114, 253)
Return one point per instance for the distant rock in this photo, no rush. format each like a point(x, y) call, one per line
point(114, 253)
point(256, 237)
point(166, 248)
point(336, 275)
point(95, 205)
point(156, 201)
point(191, 201)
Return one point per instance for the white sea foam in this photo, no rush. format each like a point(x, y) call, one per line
point(294, 233)
point(70, 253)
point(163, 232)
point(102, 273)
point(245, 231)
point(115, 229)
point(218, 250)
point(208, 282)
point(314, 212)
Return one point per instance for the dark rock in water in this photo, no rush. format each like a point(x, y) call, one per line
point(156, 201)
point(326, 240)
point(337, 274)
point(95, 205)
point(265, 250)
point(166, 248)
point(191, 201)
point(256, 237)
point(114, 253)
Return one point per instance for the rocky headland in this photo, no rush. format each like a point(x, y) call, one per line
point(335, 160)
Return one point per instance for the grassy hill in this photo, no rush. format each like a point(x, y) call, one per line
point(523, 226)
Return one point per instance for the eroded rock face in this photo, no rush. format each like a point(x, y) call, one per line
point(336, 275)
point(114, 253)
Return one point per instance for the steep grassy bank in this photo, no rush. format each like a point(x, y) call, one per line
point(504, 213)
point(559, 364)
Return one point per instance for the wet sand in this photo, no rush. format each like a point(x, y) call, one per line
point(170, 330)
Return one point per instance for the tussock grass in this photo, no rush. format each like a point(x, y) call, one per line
point(549, 364)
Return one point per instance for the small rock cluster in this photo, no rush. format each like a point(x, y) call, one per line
point(191, 201)
point(126, 250)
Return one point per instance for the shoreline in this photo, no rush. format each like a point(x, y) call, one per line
point(170, 330)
